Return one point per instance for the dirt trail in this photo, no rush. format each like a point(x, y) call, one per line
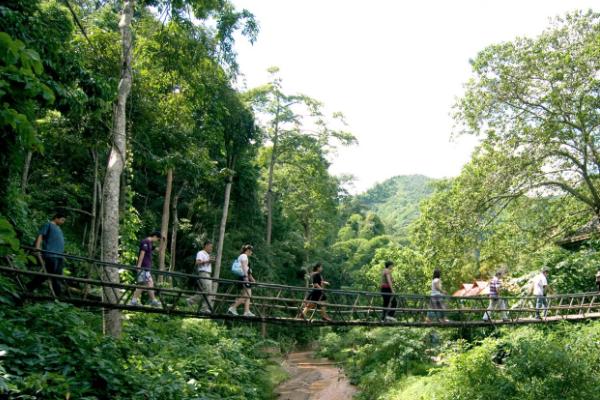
point(314, 379)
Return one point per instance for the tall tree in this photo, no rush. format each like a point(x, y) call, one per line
point(114, 169)
point(239, 131)
point(286, 118)
point(227, 22)
point(536, 100)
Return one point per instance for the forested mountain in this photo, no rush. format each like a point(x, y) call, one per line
point(396, 201)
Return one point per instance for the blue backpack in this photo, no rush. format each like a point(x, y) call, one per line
point(236, 268)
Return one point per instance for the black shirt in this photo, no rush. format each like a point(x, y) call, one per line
point(317, 279)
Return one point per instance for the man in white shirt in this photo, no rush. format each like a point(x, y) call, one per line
point(204, 269)
point(540, 282)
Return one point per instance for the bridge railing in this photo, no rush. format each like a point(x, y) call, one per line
point(87, 283)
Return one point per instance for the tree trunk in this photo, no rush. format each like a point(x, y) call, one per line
point(98, 233)
point(217, 271)
point(175, 226)
point(25, 176)
point(116, 162)
point(270, 181)
point(164, 227)
point(92, 239)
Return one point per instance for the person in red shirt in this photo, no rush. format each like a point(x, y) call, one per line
point(387, 292)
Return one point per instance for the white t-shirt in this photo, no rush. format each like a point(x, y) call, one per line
point(203, 256)
point(243, 259)
point(538, 284)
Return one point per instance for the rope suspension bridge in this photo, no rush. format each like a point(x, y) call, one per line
point(88, 285)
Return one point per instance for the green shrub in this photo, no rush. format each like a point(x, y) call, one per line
point(377, 358)
point(55, 351)
point(560, 363)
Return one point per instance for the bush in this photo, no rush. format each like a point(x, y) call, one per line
point(525, 364)
point(375, 359)
point(55, 351)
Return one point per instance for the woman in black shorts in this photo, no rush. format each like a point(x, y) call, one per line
point(245, 283)
point(317, 295)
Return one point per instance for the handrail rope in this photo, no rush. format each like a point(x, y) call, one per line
point(362, 309)
point(366, 309)
point(298, 288)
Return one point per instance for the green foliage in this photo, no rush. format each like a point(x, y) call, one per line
point(571, 272)
point(411, 273)
point(527, 364)
point(53, 351)
point(376, 358)
point(534, 101)
point(396, 201)
point(469, 229)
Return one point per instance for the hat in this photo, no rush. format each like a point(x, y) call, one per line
point(545, 269)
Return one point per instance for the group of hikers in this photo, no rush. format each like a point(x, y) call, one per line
point(51, 241)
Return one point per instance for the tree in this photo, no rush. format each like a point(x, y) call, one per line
point(238, 131)
point(286, 118)
point(21, 93)
point(114, 169)
point(228, 21)
point(470, 226)
point(536, 101)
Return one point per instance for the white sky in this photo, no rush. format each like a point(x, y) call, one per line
point(393, 67)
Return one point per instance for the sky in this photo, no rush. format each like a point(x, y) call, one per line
point(393, 67)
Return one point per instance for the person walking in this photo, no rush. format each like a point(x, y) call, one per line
point(495, 301)
point(51, 241)
point(540, 284)
point(245, 284)
point(598, 280)
point(387, 292)
point(144, 265)
point(317, 297)
point(436, 301)
point(204, 262)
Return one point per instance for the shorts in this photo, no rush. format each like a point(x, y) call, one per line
point(317, 295)
point(144, 277)
point(243, 284)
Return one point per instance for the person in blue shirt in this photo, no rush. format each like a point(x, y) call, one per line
point(51, 242)
point(144, 265)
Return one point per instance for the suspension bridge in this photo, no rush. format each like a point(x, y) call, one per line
point(87, 284)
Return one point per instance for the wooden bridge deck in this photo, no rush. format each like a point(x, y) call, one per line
point(88, 286)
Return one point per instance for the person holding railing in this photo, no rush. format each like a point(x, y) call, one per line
point(495, 301)
point(387, 292)
point(144, 265)
point(540, 283)
point(245, 283)
point(436, 301)
point(50, 240)
point(205, 284)
point(316, 298)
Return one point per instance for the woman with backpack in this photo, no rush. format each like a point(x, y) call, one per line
point(245, 283)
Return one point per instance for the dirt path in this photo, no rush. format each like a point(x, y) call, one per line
point(314, 379)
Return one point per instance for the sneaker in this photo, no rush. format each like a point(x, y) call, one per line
point(155, 303)
point(134, 302)
point(390, 319)
point(249, 314)
point(232, 311)
point(189, 301)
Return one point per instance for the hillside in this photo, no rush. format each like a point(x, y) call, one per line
point(396, 200)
